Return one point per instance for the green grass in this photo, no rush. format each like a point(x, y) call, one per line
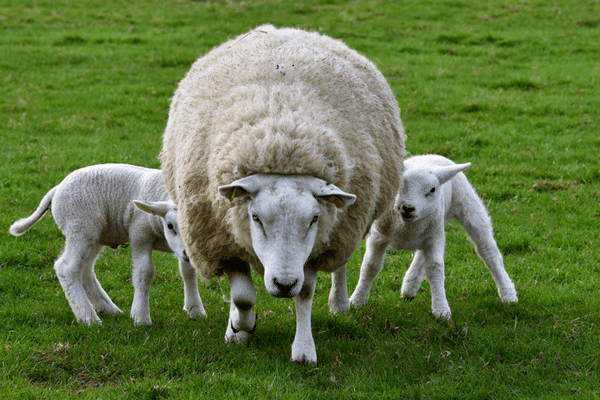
point(511, 86)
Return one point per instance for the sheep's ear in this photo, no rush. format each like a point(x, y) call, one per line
point(444, 174)
point(245, 186)
point(159, 208)
point(333, 194)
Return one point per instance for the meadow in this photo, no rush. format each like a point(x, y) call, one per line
point(508, 85)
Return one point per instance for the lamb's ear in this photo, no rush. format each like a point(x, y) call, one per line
point(333, 194)
point(444, 174)
point(245, 186)
point(159, 208)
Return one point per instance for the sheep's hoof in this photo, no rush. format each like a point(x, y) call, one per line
point(408, 299)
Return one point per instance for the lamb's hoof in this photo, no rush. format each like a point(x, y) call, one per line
point(442, 314)
point(305, 359)
point(408, 299)
point(509, 298)
point(111, 310)
point(141, 321)
point(357, 301)
point(195, 311)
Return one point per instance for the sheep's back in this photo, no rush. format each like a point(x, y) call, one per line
point(282, 102)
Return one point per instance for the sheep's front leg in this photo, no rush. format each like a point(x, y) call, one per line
point(338, 295)
point(192, 301)
point(142, 276)
point(370, 267)
point(303, 348)
point(242, 318)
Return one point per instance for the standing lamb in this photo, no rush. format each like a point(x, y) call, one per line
point(281, 148)
point(94, 207)
point(433, 190)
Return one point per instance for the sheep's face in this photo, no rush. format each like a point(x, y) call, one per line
point(422, 191)
point(167, 211)
point(287, 216)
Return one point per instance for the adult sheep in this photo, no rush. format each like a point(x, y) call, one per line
point(281, 148)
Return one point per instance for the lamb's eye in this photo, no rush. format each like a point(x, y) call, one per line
point(315, 219)
point(255, 218)
point(432, 190)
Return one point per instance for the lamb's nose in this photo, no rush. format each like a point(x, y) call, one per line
point(284, 289)
point(408, 209)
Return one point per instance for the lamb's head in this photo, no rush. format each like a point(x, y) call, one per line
point(421, 194)
point(289, 216)
point(167, 211)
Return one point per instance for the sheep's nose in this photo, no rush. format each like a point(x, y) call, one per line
point(284, 289)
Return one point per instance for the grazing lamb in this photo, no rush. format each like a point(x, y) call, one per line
point(281, 148)
point(94, 207)
point(433, 190)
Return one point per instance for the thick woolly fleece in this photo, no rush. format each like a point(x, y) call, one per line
point(280, 101)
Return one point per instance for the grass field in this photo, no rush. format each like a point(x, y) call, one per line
point(511, 86)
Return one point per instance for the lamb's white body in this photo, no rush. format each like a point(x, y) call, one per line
point(434, 190)
point(95, 207)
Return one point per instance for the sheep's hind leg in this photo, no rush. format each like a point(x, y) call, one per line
point(192, 301)
point(482, 237)
point(369, 269)
point(242, 318)
point(338, 295)
point(303, 348)
point(93, 289)
point(69, 269)
point(413, 277)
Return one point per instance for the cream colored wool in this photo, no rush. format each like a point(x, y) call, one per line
point(280, 101)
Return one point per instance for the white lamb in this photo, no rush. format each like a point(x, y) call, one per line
point(433, 190)
point(96, 207)
point(282, 147)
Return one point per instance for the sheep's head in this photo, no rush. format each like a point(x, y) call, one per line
point(288, 216)
point(421, 194)
point(167, 211)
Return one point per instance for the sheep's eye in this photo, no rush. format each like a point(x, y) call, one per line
point(432, 190)
point(255, 218)
point(315, 219)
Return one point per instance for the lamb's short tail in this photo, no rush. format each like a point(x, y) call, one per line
point(22, 225)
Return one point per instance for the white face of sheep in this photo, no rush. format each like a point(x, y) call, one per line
point(420, 196)
point(287, 214)
point(167, 211)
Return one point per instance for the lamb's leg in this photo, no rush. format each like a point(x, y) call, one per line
point(480, 233)
point(192, 301)
point(303, 348)
point(93, 289)
point(434, 268)
point(338, 295)
point(142, 277)
point(69, 271)
point(370, 267)
point(242, 318)
point(413, 277)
